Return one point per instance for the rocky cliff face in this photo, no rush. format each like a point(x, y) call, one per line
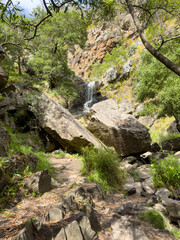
point(101, 40)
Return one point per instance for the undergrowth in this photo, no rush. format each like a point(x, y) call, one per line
point(166, 173)
point(154, 218)
point(168, 136)
point(102, 167)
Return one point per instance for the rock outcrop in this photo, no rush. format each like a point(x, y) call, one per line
point(71, 219)
point(122, 131)
point(4, 141)
point(61, 125)
point(40, 182)
point(3, 78)
point(101, 40)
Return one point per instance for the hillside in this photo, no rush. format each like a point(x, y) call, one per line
point(90, 121)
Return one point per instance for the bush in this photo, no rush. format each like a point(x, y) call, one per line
point(166, 172)
point(154, 218)
point(102, 167)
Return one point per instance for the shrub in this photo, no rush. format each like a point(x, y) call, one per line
point(102, 167)
point(154, 218)
point(18, 144)
point(166, 172)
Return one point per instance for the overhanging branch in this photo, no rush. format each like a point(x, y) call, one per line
point(165, 61)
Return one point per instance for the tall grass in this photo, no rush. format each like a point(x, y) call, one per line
point(102, 167)
point(166, 172)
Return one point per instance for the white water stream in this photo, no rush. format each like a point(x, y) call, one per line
point(89, 92)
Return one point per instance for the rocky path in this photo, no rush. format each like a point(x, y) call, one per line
point(67, 176)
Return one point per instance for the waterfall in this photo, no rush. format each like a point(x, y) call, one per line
point(89, 92)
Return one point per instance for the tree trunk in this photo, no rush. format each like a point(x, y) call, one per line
point(169, 64)
point(19, 65)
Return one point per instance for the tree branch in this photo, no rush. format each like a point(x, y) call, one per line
point(167, 40)
point(47, 9)
point(10, 43)
point(36, 27)
point(165, 61)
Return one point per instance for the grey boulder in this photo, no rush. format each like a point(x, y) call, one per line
point(61, 125)
point(118, 130)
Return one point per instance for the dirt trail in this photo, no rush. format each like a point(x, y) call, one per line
point(67, 176)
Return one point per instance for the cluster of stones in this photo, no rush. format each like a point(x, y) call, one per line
point(73, 218)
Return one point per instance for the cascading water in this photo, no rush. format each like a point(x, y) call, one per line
point(89, 92)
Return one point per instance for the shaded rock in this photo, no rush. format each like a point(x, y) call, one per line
point(148, 186)
point(127, 23)
point(8, 104)
point(155, 147)
point(122, 131)
point(160, 208)
point(61, 235)
point(171, 144)
point(27, 233)
point(71, 224)
point(126, 70)
point(138, 187)
point(130, 208)
point(10, 90)
point(40, 182)
point(55, 214)
point(2, 53)
point(3, 78)
point(61, 125)
point(172, 128)
point(144, 172)
point(173, 208)
point(18, 163)
point(146, 120)
point(4, 141)
point(160, 155)
point(128, 166)
point(73, 231)
point(110, 75)
point(163, 193)
point(86, 229)
point(127, 229)
point(129, 188)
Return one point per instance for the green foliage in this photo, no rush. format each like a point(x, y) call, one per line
point(15, 184)
point(168, 136)
point(154, 218)
point(102, 167)
point(176, 233)
point(159, 85)
point(18, 144)
point(43, 162)
point(116, 57)
point(135, 175)
point(166, 172)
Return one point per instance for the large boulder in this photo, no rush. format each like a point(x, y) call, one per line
point(3, 78)
point(61, 125)
point(116, 129)
point(171, 144)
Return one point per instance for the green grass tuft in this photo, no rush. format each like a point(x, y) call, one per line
point(102, 167)
point(166, 172)
point(154, 218)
